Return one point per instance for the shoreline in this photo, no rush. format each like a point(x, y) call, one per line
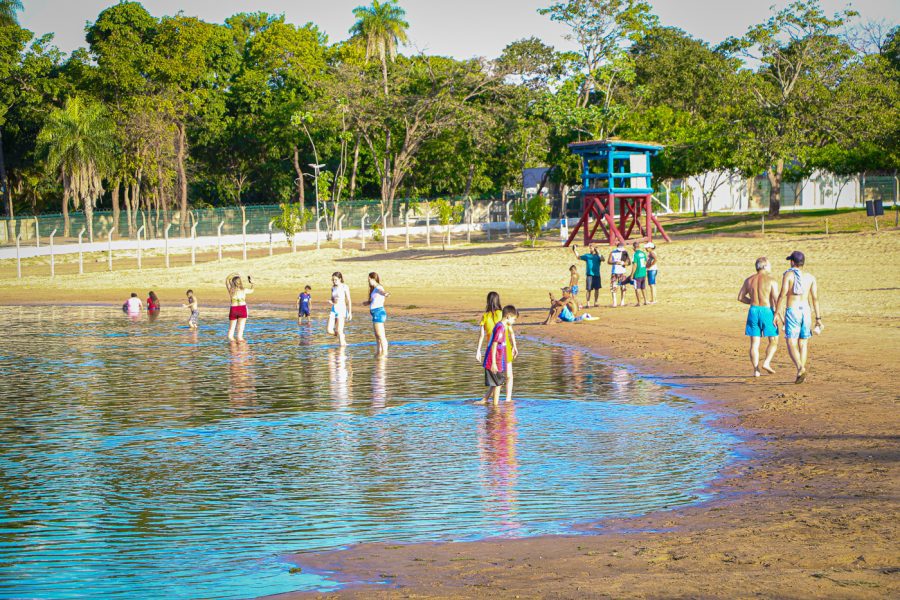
point(814, 512)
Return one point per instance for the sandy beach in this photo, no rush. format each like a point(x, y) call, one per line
point(811, 510)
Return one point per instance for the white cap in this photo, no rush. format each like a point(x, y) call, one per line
point(650, 245)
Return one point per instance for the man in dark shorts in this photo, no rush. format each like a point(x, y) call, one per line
point(592, 260)
point(640, 274)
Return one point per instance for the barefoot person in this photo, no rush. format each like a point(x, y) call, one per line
point(592, 260)
point(760, 291)
point(132, 306)
point(798, 292)
point(340, 308)
point(237, 316)
point(573, 283)
point(493, 314)
point(194, 307)
point(616, 262)
point(379, 315)
point(652, 269)
point(495, 357)
point(639, 275)
point(304, 299)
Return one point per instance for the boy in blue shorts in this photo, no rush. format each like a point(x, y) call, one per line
point(760, 291)
point(303, 302)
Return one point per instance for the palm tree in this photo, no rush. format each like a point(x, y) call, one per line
point(8, 10)
point(78, 142)
point(382, 27)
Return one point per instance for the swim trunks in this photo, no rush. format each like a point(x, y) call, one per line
point(379, 315)
point(195, 316)
point(761, 322)
point(640, 283)
point(566, 315)
point(574, 290)
point(796, 322)
point(651, 276)
point(593, 282)
point(237, 312)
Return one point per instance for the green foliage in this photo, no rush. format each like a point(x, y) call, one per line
point(380, 26)
point(377, 231)
point(532, 215)
point(292, 220)
point(448, 213)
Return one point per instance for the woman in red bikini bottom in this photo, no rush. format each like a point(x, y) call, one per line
point(237, 316)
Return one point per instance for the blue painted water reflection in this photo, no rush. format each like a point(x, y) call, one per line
point(145, 460)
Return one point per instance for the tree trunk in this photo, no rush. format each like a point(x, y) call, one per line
point(65, 210)
point(355, 166)
point(301, 196)
point(127, 200)
point(180, 150)
point(115, 207)
point(774, 174)
point(88, 217)
point(469, 178)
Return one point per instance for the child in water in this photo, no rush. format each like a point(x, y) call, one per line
point(152, 302)
point(495, 359)
point(195, 309)
point(303, 303)
point(493, 314)
point(133, 305)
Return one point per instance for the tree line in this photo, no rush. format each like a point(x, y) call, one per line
point(168, 113)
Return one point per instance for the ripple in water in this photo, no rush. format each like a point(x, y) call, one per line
point(143, 460)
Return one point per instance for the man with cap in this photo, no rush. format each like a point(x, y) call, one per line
point(760, 291)
point(652, 268)
point(798, 292)
point(617, 275)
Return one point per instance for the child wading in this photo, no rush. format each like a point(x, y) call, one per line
point(495, 357)
point(195, 309)
point(303, 303)
point(340, 308)
point(493, 314)
point(376, 309)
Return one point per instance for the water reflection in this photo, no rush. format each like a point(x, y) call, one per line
point(128, 450)
point(497, 435)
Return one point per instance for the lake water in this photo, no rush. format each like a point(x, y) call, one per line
point(139, 459)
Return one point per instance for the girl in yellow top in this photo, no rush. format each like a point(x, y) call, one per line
point(493, 314)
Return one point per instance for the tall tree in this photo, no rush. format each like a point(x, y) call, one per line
point(802, 61)
point(12, 41)
point(78, 142)
point(381, 27)
point(8, 10)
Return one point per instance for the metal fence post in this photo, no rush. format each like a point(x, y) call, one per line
point(271, 250)
point(428, 227)
point(52, 257)
point(363, 227)
point(508, 204)
point(318, 238)
point(109, 248)
point(488, 226)
point(139, 231)
point(407, 228)
point(219, 233)
point(764, 224)
point(37, 232)
point(244, 234)
point(167, 244)
point(341, 232)
point(194, 243)
point(469, 224)
point(384, 230)
point(80, 253)
point(18, 258)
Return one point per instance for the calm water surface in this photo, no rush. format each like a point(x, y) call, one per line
point(139, 459)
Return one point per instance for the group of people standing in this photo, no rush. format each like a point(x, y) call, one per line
point(638, 270)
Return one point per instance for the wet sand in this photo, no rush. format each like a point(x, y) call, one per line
point(812, 511)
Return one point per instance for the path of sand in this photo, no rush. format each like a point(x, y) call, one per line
point(812, 513)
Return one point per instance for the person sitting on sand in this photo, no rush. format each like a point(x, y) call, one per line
point(563, 309)
point(237, 316)
point(798, 291)
point(760, 291)
point(133, 305)
point(194, 306)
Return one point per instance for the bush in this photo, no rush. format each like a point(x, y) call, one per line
point(292, 220)
point(447, 214)
point(532, 215)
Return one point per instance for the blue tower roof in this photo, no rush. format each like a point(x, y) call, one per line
point(607, 166)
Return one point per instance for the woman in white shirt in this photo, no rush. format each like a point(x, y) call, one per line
point(376, 308)
point(340, 307)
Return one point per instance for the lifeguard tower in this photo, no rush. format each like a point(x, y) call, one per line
point(616, 171)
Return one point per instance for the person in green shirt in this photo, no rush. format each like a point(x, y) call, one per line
point(592, 260)
point(639, 258)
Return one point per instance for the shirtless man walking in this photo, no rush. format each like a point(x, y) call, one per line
point(798, 292)
point(760, 291)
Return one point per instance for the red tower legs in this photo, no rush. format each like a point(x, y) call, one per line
point(601, 209)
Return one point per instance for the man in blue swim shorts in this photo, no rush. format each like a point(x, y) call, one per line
point(760, 291)
point(798, 291)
